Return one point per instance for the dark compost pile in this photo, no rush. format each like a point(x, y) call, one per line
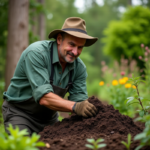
point(109, 124)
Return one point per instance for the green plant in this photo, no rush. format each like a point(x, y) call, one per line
point(95, 144)
point(144, 137)
point(118, 94)
point(127, 145)
point(137, 98)
point(60, 118)
point(18, 140)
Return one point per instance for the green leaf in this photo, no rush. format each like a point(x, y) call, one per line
point(140, 97)
point(131, 99)
point(41, 144)
point(139, 147)
point(142, 81)
point(140, 136)
point(133, 103)
point(141, 113)
point(99, 140)
point(89, 146)
point(129, 138)
point(101, 145)
point(31, 148)
point(124, 143)
point(147, 107)
point(90, 140)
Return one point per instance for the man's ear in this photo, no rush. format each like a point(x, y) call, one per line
point(59, 38)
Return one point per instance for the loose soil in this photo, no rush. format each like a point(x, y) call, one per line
point(109, 124)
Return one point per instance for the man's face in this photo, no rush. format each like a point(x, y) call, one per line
point(69, 48)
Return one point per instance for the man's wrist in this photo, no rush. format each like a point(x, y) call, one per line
point(73, 108)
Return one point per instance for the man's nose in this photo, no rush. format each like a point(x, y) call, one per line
point(75, 51)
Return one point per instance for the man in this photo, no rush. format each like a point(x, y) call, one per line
point(46, 71)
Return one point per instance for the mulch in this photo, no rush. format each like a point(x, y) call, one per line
point(109, 124)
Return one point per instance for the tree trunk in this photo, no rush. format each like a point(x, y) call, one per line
point(130, 2)
point(17, 35)
point(41, 23)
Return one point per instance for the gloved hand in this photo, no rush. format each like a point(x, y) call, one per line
point(84, 109)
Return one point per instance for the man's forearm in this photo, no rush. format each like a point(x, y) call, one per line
point(57, 103)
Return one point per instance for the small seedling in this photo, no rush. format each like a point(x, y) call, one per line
point(127, 145)
point(95, 144)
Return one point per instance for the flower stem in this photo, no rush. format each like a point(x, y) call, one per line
point(139, 98)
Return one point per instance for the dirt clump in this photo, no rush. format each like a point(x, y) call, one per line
point(109, 124)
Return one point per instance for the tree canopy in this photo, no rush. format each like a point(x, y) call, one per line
point(125, 36)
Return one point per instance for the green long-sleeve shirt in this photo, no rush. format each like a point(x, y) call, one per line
point(31, 76)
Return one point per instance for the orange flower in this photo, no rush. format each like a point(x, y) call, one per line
point(133, 86)
point(122, 81)
point(125, 78)
point(101, 83)
point(128, 85)
point(114, 82)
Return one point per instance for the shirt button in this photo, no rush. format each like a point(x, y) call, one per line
point(59, 72)
point(59, 83)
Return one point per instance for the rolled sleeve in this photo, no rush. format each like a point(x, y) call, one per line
point(78, 90)
point(37, 74)
point(41, 90)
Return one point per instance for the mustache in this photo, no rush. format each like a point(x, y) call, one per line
point(70, 53)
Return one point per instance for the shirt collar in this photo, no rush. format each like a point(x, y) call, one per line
point(55, 53)
point(70, 66)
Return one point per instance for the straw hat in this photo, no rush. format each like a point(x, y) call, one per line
point(75, 26)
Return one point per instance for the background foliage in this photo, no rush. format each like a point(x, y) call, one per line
point(125, 36)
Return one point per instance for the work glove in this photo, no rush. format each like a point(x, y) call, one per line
point(84, 109)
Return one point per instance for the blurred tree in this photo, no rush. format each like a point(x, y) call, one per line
point(57, 11)
point(17, 35)
point(97, 17)
point(3, 36)
point(41, 23)
point(37, 14)
point(124, 37)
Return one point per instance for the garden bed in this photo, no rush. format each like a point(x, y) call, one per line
point(109, 124)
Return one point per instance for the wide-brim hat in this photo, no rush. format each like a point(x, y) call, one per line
point(75, 26)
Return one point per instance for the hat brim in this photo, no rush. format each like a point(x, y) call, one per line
point(89, 39)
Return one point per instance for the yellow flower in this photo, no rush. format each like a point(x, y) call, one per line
point(114, 82)
point(128, 85)
point(125, 78)
point(133, 86)
point(101, 83)
point(122, 81)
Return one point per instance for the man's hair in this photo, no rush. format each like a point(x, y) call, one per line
point(63, 34)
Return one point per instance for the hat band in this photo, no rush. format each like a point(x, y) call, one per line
point(74, 29)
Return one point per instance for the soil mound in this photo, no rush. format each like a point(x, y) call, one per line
point(109, 124)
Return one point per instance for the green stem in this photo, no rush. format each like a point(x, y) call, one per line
point(139, 98)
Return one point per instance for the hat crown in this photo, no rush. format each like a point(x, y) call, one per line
point(75, 23)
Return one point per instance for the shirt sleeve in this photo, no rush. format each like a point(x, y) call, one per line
point(37, 74)
point(78, 90)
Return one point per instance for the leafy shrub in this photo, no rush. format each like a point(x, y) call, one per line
point(18, 140)
point(144, 137)
point(124, 37)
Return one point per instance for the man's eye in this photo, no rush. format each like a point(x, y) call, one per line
point(71, 44)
